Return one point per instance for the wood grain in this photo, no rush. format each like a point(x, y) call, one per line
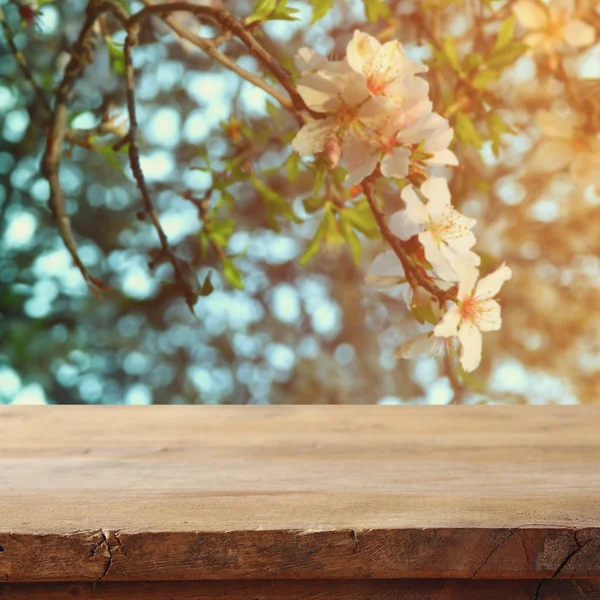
point(382, 589)
point(212, 493)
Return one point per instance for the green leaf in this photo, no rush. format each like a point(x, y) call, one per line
point(262, 10)
point(352, 240)
point(362, 219)
point(506, 33)
point(496, 127)
point(207, 286)
point(116, 57)
point(313, 203)
point(275, 204)
point(333, 233)
point(466, 131)
point(473, 61)
point(284, 13)
point(504, 57)
point(374, 9)
point(484, 77)
point(232, 274)
point(110, 156)
point(125, 5)
point(293, 167)
point(272, 109)
point(321, 173)
point(320, 9)
point(221, 231)
point(315, 243)
point(272, 10)
point(451, 54)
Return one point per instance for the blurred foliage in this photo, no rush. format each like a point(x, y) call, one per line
point(276, 246)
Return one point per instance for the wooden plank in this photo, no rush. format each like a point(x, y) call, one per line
point(390, 589)
point(171, 493)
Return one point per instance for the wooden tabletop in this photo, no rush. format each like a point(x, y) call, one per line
point(205, 493)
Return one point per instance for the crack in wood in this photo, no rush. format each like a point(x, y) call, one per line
point(563, 564)
point(355, 539)
point(106, 541)
point(510, 534)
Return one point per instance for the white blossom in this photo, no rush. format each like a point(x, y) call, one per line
point(387, 71)
point(550, 27)
point(446, 233)
point(435, 134)
point(340, 95)
point(475, 312)
point(567, 145)
point(377, 142)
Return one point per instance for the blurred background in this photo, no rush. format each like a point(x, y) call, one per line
point(310, 334)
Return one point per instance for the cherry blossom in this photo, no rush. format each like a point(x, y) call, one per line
point(446, 233)
point(567, 145)
point(475, 312)
point(341, 96)
point(378, 115)
point(387, 71)
point(434, 134)
point(550, 27)
point(378, 142)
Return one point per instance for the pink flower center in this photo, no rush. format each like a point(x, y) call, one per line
point(376, 85)
point(469, 309)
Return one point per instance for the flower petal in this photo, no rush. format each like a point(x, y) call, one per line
point(421, 344)
point(550, 156)
point(313, 137)
point(402, 226)
point(320, 90)
point(386, 271)
point(448, 326)
point(490, 285)
point(530, 14)
point(361, 50)
point(436, 190)
point(578, 34)
point(308, 59)
point(489, 318)
point(361, 159)
point(434, 253)
point(443, 157)
point(353, 89)
point(471, 341)
point(395, 164)
point(415, 209)
point(467, 274)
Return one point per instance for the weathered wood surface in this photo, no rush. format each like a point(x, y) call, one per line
point(205, 493)
point(382, 589)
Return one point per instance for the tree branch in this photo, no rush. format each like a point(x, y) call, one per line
point(81, 55)
point(229, 23)
point(211, 49)
point(184, 279)
point(413, 276)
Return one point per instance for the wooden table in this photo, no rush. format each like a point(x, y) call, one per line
point(286, 503)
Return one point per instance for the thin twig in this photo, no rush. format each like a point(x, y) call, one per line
point(229, 23)
point(23, 63)
point(184, 279)
point(81, 55)
point(211, 49)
